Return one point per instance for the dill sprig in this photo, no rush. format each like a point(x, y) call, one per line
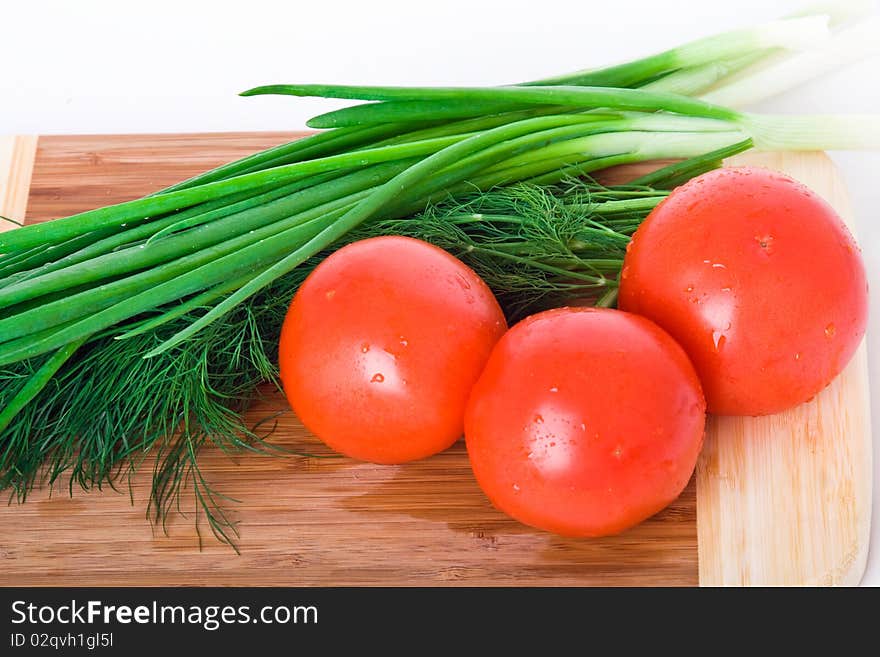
point(536, 247)
point(108, 406)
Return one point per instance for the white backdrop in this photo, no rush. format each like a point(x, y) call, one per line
point(104, 66)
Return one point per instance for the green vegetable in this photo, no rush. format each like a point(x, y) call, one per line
point(111, 313)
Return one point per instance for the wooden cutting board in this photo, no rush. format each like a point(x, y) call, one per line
point(776, 500)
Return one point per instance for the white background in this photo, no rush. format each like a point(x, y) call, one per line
point(92, 66)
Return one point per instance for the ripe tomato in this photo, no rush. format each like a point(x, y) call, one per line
point(381, 346)
point(585, 421)
point(758, 279)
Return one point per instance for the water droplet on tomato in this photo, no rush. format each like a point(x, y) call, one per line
point(539, 419)
point(830, 330)
point(725, 289)
point(330, 294)
point(618, 452)
point(718, 265)
point(516, 487)
point(689, 288)
point(404, 342)
point(365, 347)
point(583, 427)
point(765, 242)
point(462, 282)
point(625, 273)
point(797, 356)
point(718, 339)
point(377, 378)
point(554, 389)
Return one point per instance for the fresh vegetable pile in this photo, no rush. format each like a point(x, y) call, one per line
point(110, 343)
point(582, 420)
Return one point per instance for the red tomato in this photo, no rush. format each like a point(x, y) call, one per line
point(381, 346)
point(758, 279)
point(585, 421)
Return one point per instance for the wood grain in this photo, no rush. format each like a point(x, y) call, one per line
point(309, 521)
point(332, 521)
point(786, 499)
point(303, 521)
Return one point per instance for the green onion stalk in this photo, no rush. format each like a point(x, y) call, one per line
point(131, 293)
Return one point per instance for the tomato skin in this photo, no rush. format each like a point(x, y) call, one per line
point(381, 346)
point(585, 421)
point(758, 279)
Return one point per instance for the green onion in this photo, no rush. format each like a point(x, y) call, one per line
point(514, 97)
point(793, 33)
point(762, 81)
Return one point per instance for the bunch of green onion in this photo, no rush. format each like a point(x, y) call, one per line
point(148, 279)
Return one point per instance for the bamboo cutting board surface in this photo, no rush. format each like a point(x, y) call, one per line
point(778, 500)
